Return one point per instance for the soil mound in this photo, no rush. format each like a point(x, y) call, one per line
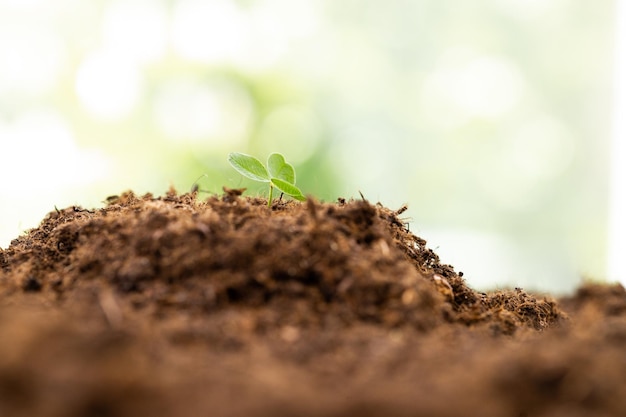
point(179, 306)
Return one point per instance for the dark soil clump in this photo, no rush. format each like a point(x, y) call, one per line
point(177, 306)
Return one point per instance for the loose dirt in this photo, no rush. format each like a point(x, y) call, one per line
point(178, 306)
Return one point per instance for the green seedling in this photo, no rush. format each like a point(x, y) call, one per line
point(278, 173)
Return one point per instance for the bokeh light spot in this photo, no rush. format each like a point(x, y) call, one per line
point(523, 165)
point(529, 9)
point(485, 86)
point(31, 59)
point(208, 31)
point(45, 142)
point(108, 85)
point(542, 149)
point(137, 29)
point(216, 113)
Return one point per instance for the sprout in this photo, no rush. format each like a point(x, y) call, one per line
point(278, 173)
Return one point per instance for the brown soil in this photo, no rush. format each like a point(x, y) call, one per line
point(173, 306)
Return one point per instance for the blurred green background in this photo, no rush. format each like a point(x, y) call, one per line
point(490, 118)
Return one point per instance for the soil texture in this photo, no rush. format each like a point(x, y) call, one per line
point(180, 306)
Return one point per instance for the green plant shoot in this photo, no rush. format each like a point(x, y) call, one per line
point(278, 173)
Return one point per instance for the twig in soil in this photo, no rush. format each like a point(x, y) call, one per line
point(401, 210)
point(195, 187)
point(110, 308)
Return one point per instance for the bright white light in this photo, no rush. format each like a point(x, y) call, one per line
point(41, 162)
point(299, 19)
point(274, 26)
point(136, 29)
point(521, 166)
point(364, 145)
point(542, 149)
point(487, 87)
point(466, 87)
point(266, 40)
point(108, 85)
point(22, 4)
point(617, 208)
point(208, 31)
point(509, 265)
point(528, 9)
point(468, 249)
point(31, 59)
point(253, 38)
point(43, 142)
point(211, 113)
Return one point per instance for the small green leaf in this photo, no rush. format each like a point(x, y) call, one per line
point(249, 166)
point(278, 173)
point(279, 168)
point(287, 188)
